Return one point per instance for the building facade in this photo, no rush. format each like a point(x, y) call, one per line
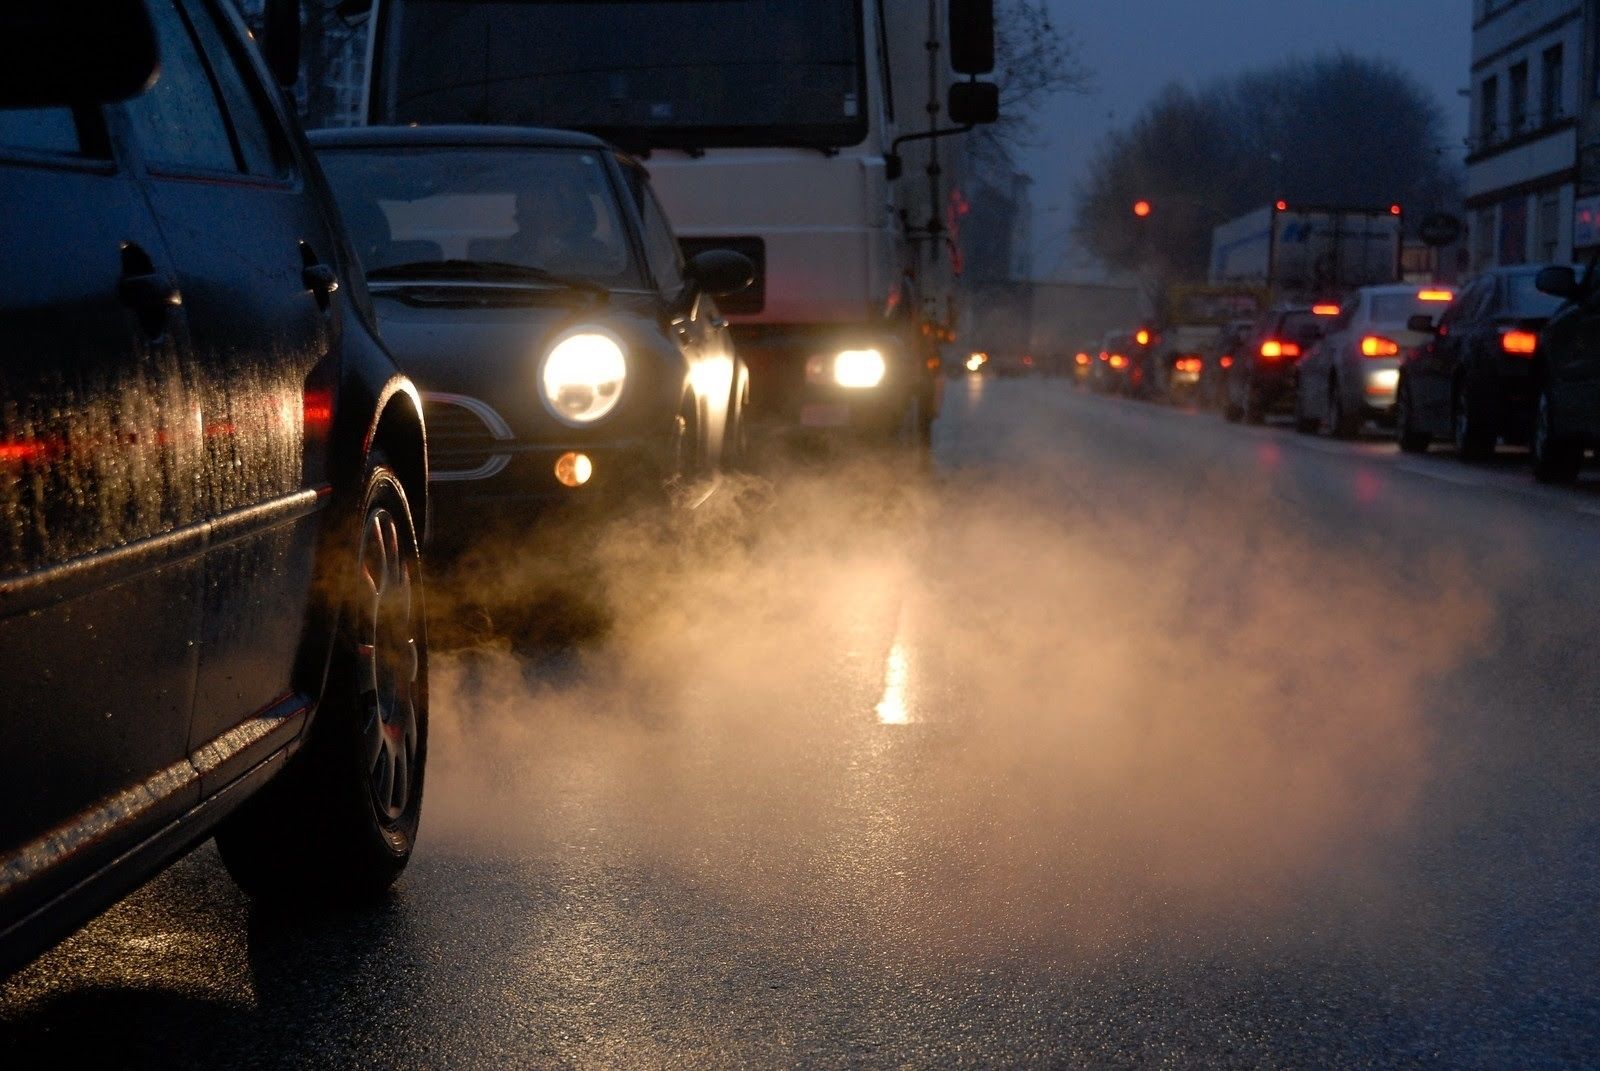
point(1530, 85)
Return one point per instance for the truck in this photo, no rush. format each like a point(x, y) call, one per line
point(819, 139)
point(1306, 254)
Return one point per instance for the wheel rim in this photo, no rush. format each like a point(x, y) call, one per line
point(388, 665)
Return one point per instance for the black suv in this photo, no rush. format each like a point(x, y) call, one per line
point(212, 479)
point(1566, 409)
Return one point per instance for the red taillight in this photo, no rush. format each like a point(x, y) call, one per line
point(1142, 337)
point(1027, 361)
point(19, 452)
point(1082, 358)
point(1521, 343)
point(1274, 348)
point(1378, 346)
point(1118, 361)
point(1188, 364)
point(1227, 361)
point(1325, 310)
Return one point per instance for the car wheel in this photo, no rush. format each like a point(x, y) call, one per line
point(339, 823)
point(1410, 440)
point(1341, 423)
point(1555, 459)
point(1304, 424)
point(1473, 437)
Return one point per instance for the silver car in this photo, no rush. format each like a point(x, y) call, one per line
point(1351, 376)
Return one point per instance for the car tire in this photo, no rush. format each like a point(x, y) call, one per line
point(1303, 424)
point(1474, 439)
point(1406, 435)
point(1251, 413)
point(1341, 424)
point(338, 825)
point(1555, 460)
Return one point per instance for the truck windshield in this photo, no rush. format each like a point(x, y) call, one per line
point(643, 73)
point(482, 214)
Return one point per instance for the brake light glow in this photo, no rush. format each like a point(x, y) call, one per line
point(1188, 364)
point(1274, 348)
point(1435, 295)
point(1378, 346)
point(1325, 310)
point(1027, 361)
point(1118, 361)
point(1142, 337)
point(1082, 358)
point(1227, 360)
point(1521, 343)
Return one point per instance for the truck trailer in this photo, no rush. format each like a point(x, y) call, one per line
point(1308, 254)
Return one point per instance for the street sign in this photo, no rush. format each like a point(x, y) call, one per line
point(1441, 228)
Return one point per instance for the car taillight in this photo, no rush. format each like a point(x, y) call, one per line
point(1227, 360)
point(1521, 343)
point(1274, 348)
point(1082, 358)
point(1187, 364)
point(1118, 361)
point(1325, 310)
point(1378, 346)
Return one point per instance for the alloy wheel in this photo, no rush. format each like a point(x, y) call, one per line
point(387, 665)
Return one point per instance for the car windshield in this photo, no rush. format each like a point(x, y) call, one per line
point(503, 214)
point(643, 73)
point(1526, 301)
point(1395, 310)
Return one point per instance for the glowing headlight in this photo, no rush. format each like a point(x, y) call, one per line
point(861, 369)
point(582, 376)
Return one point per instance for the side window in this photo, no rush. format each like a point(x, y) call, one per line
point(178, 120)
point(1491, 294)
point(1347, 315)
point(46, 130)
point(1461, 307)
point(660, 246)
point(254, 126)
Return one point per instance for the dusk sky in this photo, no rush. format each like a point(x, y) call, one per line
point(1134, 47)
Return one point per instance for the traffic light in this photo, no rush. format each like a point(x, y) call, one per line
point(1141, 209)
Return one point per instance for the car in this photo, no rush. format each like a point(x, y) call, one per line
point(1115, 364)
point(213, 484)
point(1566, 408)
point(529, 282)
point(1353, 374)
point(1221, 357)
point(1474, 384)
point(1263, 378)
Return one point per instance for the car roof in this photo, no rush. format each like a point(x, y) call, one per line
point(462, 135)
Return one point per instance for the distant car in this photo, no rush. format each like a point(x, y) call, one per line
point(1566, 420)
point(1353, 374)
point(1221, 359)
point(1114, 365)
point(1263, 378)
point(1476, 382)
point(212, 485)
point(530, 283)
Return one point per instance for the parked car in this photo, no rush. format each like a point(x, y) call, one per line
point(1353, 374)
point(1475, 383)
point(1566, 408)
point(1263, 378)
point(530, 283)
point(212, 484)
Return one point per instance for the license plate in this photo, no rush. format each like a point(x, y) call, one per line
point(824, 415)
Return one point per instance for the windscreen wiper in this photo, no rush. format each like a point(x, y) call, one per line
point(499, 271)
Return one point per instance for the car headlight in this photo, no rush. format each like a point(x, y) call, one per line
point(582, 376)
point(856, 369)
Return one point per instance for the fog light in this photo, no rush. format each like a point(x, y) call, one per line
point(574, 470)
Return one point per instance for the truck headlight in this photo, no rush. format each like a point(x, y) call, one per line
point(582, 376)
point(860, 369)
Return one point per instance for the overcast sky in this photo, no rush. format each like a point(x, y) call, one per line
point(1134, 47)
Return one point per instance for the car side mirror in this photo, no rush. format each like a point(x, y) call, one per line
point(972, 36)
point(67, 52)
point(1558, 280)
point(280, 40)
point(974, 103)
point(719, 272)
point(1422, 323)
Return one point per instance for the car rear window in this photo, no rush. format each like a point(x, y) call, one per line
point(1302, 326)
point(1523, 299)
point(1394, 310)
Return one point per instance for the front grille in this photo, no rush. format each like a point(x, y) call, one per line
point(467, 439)
point(752, 299)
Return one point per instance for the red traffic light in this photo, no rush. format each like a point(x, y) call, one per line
point(1141, 209)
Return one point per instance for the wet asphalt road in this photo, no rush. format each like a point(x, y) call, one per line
point(1124, 738)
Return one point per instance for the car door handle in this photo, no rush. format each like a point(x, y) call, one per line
point(321, 280)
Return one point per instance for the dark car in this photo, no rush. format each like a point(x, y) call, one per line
point(532, 286)
point(1264, 376)
point(1474, 383)
point(212, 480)
point(1221, 358)
point(1566, 421)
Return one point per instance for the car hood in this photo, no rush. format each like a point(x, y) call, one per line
point(487, 344)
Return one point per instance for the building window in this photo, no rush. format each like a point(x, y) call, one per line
point(1551, 107)
point(1549, 226)
point(1519, 99)
point(1489, 113)
point(1514, 231)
